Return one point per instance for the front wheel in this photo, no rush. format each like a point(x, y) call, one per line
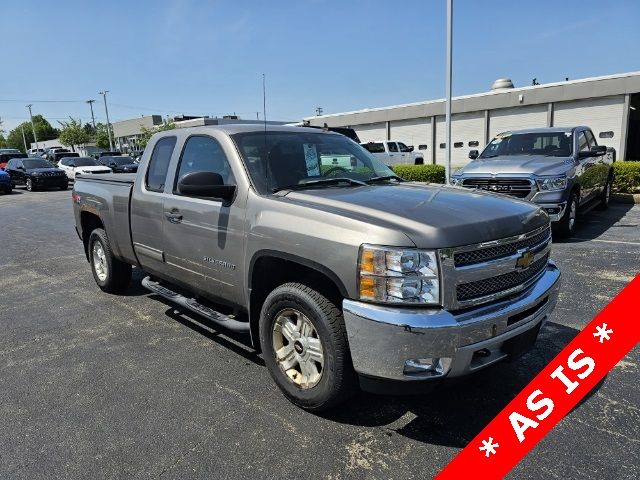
point(30, 187)
point(566, 225)
point(111, 274)
point(305, 347)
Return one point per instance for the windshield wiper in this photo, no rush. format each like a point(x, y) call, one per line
point(320, 182)
point(384, 178)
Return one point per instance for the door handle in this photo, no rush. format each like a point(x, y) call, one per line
point(173, 216)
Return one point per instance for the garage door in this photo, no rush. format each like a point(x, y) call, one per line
point(466, 128)
point(415, 131)
point(371, 132)
point(503, 119)
point(601, 114)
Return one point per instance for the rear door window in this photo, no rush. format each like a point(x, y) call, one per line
point(159, 164)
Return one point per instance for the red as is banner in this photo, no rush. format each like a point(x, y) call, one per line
point(554, 391)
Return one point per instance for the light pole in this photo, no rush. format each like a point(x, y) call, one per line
point(93, 120)
point(24, 139)
point(35, 137)
point(106, 111)
point(448, 92)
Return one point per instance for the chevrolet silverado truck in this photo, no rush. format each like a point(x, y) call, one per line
point(560, 169)
point(342, 277)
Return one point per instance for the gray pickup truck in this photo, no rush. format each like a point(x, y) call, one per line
point(560, 169)
point(344, 276)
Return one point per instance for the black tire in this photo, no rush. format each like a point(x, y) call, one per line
point(338, 380)
point(66, 187)
point(419, 161)
point(117, 274)
point(9, 190)
point(29, 185)
point(605, 196)
point(564, 227)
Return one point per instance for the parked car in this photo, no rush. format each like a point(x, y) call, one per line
point(561, 169)
point(55, 157)
point(51, 151)
point(342, 279)
point(36, 173)
point(109, 154)
point(120, 164)
point(5, 157)
point(394, 153)
point(73, 166)
point(35, 152)
point(5, 182)
point(9, 150)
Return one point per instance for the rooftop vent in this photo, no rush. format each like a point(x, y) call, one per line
point(501, 83)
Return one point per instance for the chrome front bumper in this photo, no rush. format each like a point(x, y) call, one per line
point(410, 344)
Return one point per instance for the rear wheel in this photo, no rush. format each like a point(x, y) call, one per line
point(565, 226)
point(305, 347)
point(605, 196)
point(111, 274)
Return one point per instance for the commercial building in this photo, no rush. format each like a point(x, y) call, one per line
point(610, 105)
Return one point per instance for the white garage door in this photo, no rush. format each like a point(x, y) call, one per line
point(371, 132)
point(465, 128)
point(503, 119)
point(415, 131)
point(601, 114)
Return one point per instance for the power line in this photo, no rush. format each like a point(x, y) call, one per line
point(43, 101)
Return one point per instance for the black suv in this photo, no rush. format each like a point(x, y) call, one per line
point(120, 164)
point(55, 157)
point(36, 173)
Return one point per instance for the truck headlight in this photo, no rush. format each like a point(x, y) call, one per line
point(552, 183)
point(398, 275)
point(456, 181)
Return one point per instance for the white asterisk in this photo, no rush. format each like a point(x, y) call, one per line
point(489, 447)
point(603, 333)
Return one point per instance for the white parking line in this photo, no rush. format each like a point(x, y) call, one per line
point(606, 241)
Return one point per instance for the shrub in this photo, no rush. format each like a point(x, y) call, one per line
point(626, 177)
point(420, 173)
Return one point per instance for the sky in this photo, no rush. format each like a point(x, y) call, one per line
point(207, 57)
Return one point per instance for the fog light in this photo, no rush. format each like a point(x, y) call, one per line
point(553, 211)
point(433, 367)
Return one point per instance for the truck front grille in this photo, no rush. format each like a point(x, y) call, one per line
point(515, 187)
point(491, 253)
point(500, 283)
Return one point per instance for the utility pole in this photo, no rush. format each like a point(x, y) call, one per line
point(318, 111)
point(106, 111)
point(93, 120)
point(35, 137)
point(24, 139)
point(448, 92)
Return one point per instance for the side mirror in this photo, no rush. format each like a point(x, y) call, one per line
point(411, 148)
point(599, 150)
point(473, 154)
point(205, 185)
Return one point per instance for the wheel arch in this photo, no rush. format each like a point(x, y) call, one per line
point(269, 269)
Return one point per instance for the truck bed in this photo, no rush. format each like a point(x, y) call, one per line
point(128, 178)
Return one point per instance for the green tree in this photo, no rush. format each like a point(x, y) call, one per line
point(146, 134)
point(90, 129)
point(44, 130)
point(102, 136)
point(3, 142)
point(72, 134)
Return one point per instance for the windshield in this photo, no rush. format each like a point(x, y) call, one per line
point(547, 144)
point(85, 162)
point(37, 164)
point(121, 160)
point(276, 160)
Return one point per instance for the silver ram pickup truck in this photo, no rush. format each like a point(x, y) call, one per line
point(344, 276)
point(562, 169)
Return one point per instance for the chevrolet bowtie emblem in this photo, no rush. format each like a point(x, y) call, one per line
point(524, 260)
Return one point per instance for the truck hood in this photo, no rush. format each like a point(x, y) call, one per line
point(526, 164)
point(432, 216)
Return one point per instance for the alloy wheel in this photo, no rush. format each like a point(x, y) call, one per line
point(298, 349)
point(100, 261)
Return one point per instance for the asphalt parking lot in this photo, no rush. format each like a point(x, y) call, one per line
point(101, 386)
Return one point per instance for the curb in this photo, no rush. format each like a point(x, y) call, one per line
point(626, 198)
